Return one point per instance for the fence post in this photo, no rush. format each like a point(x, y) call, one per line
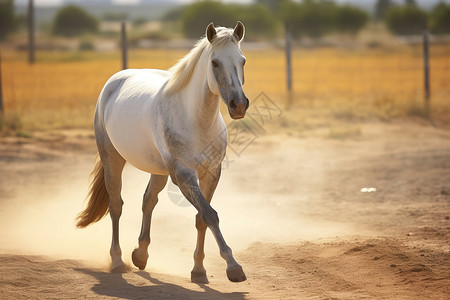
point(287, 26)
point(30, 18)
point(288, 57)
point(1, 87)
point(426, 57)
point(124, 45)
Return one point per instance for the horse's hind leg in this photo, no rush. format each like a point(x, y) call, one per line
point(208, 184)
point(113, 164)
point(156, 184)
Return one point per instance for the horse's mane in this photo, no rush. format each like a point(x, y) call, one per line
point(183, 70)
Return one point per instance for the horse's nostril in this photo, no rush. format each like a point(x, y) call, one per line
point(232, 104)
point(247, 104)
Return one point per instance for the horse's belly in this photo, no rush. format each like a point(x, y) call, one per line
point(140, 154)
point(134, 141)
point(147, 162)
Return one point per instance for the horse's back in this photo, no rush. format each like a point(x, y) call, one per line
point(126, 110)
point(132, 81)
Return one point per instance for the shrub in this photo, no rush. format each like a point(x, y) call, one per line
point(381, 7)
point(406, 20)
point(72, 21)
point(440, 19)
point(309, 18)
point(86, 45)
point(259, 21)
point(350, 19)
point(7, 19)
point(197, 16)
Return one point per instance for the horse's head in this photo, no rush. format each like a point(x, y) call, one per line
point(225, 73)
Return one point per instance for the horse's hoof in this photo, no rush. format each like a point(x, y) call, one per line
point(199, 277)
point(119, 269)
point(138, 262)
point(236, 274)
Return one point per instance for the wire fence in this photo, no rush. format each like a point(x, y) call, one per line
point(61, 88)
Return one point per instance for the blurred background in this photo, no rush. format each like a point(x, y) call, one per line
point(323, 62)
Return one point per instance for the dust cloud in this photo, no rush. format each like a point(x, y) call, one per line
point(39, 219)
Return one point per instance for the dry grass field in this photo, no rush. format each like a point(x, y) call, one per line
point(60, 90)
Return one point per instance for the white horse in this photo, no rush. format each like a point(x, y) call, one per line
point(168, 123)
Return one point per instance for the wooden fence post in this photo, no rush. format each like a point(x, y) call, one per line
point(124, 46)
point(288, 57)
point(30, 18)
point(1, 87)
point(287, 26)
point(426, 57)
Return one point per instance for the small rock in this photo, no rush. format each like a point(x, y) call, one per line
point(409, 234)
point(418, 269)
point(393, 266)
point(376, 258)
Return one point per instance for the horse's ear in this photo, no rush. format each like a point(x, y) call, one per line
point(211, 32)
point(239, 30)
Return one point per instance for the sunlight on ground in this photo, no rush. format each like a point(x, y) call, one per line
point(47, 226)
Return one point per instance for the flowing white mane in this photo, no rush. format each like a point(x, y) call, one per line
point(183, 70)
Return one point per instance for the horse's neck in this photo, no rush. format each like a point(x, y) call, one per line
point(202, 105)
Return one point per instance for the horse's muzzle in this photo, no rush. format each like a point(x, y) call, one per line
point(237, 109)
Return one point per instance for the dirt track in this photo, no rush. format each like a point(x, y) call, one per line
point(290, 207)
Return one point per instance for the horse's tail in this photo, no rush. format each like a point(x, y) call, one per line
point(98, 204)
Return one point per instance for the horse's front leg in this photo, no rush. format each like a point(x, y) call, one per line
point(186, 179)
point(156, 184)
point(208, 184)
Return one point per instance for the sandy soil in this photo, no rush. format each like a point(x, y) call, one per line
point(291, 208)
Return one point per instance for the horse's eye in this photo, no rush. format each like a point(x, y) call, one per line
point(243, 62)
point(214, 64)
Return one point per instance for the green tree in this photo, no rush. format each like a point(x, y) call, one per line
point(197, 16)
point(440, 19)
point(259, 21)
point(7, 18)
point(381, 7)
point(350, 19)
point(273, 5)
point(312, 18)
point(406, 20)
point(411, 2)
point(72, 20)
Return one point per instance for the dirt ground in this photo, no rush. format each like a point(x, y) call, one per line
point(296, 210)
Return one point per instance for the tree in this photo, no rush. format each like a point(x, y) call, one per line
point(197, 16)
point(273, 5)
point(350, 19)
point(72, 20)
point(259, 21)
point(406, 20)
point(381, 7)
point(312, 18)
point(411, 2)
point(7, 18)
point(440, 19)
